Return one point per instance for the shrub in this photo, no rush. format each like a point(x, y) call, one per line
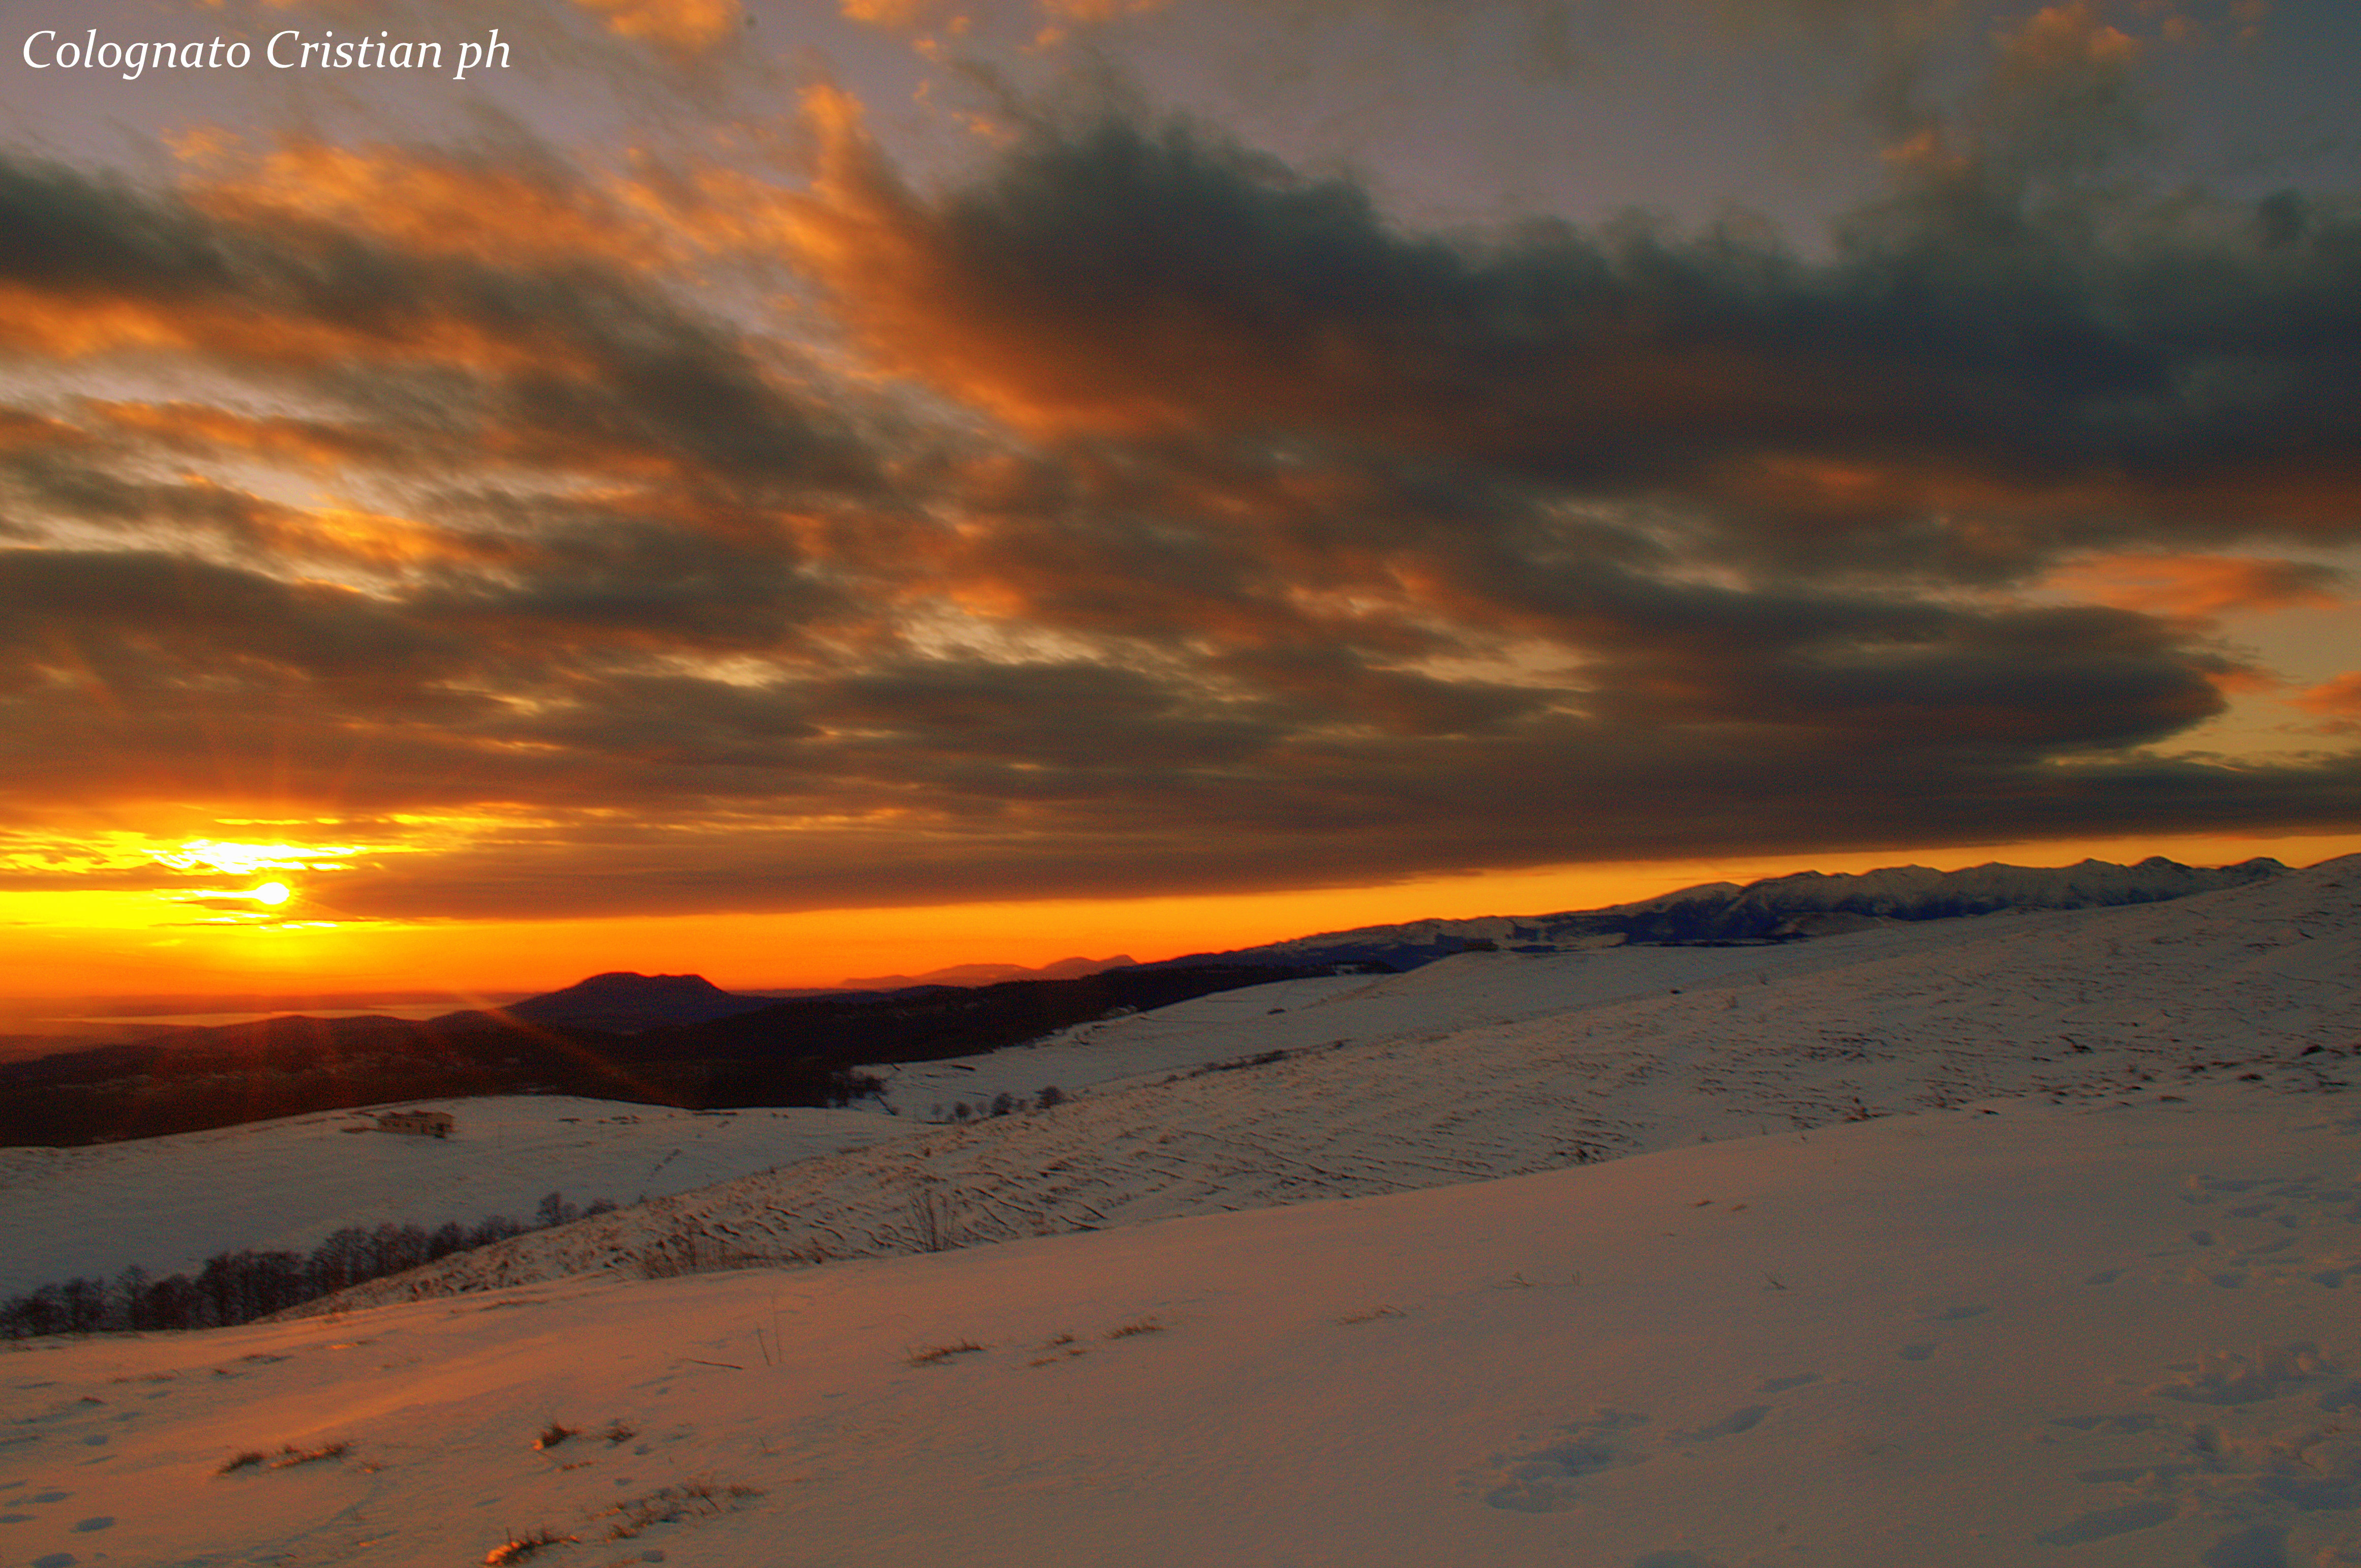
point(931, 1215)
point(935, 1356)
point(1136, 1326)
point(516, 1548)
point(667, 1505)
point(290, 1456)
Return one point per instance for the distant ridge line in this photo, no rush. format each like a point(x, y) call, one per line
point(1797, 906)
point(1782, 909)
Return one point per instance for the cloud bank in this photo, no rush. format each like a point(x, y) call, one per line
point(1136, 513)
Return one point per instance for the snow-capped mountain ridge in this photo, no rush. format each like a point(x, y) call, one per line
point(1775, 908)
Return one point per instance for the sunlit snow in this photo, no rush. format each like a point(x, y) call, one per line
point(2080, 1293)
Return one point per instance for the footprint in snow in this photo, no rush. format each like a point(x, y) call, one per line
point(2256, 1546)
point(1730, 1425)
point(2308, 1469)
point(2231, 1379)
point(2106, 1522)
point(1544, 1480)
point(2138, 1423)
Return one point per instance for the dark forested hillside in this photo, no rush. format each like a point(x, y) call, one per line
point(805, 1051)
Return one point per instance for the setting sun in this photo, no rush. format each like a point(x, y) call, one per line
point(1469, 745)
point(1154, 530)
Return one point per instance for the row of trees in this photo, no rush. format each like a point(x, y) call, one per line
point(1047, 1098)
point(238, 1286)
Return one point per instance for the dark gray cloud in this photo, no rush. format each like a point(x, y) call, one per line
point(2004, 379)
point(1181, 523)
point(164, 619)
point(572, 356)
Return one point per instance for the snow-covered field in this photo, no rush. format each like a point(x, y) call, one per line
point(2077, 1335)
point(168, 1203)
point(2082, 1295)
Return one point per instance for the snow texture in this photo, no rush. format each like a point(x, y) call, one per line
point(2083, 1304)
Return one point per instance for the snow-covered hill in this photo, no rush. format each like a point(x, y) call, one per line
point(166, 1203)
point(1492, 1065)
point(2086, 1306)
point(2086, 1336)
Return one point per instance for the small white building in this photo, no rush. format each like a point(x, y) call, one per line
point(416, 1124)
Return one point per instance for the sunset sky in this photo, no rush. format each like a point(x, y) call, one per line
point(800, 489)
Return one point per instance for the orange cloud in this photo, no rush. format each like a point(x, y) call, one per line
point(924, 298)
point(2067, 37)
point(864, 236)
point(431, 205)
point(1087, 11)
point(23, 431)
point(902, 15)
point(2195, 587)
point(911, 16)
point(77, 324)
point(687, 25)
point(209, 427)
point(2338, 701)
point(373, 538)
point(2002, 516)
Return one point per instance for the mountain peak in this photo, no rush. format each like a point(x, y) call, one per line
point(630, 982)
point(624, 1000)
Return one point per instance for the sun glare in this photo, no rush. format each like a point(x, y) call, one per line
point(272, 892)
point(245, 860)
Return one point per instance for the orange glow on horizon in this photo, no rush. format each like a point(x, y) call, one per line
point(68, 948)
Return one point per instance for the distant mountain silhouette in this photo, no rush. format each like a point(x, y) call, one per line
point(990, 974)
point(680, 1040)
point(758, 1051)
point(623, 1002)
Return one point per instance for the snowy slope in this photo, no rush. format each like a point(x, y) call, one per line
point(164, 1203)
point(2085, 1336)
point(1496, 1065)
point(167, 1203)
point(1808, 903)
